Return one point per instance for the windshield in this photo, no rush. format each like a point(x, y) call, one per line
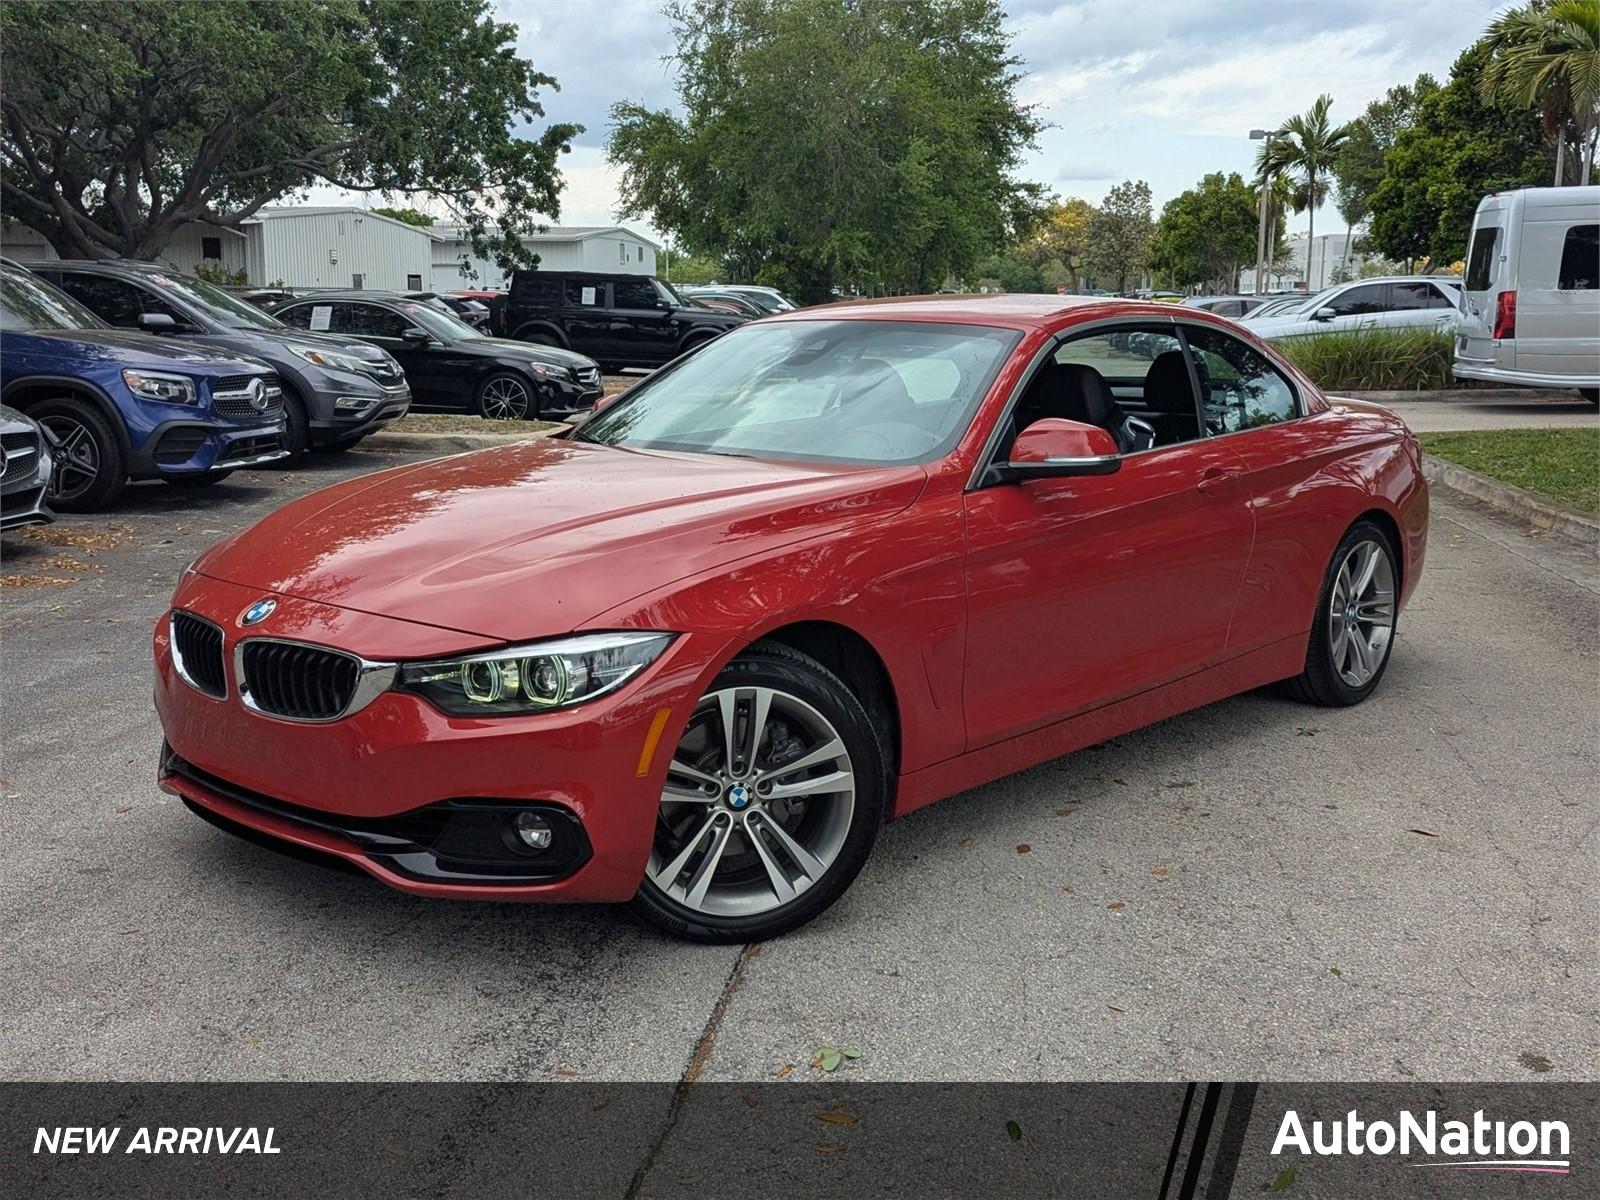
point(28, 302)
point(672, 295)
point(437, 319)
point(211, 301)
point(838, 391)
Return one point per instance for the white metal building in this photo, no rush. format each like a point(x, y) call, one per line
point(567, 248)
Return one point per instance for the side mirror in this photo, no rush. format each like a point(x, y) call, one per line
point(1325, 313)
point(417, 337)
point(157, 323)
point(1052, 448)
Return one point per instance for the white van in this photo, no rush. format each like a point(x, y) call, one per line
point(1530, 307)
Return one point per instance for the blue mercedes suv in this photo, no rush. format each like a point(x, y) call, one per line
point(120, 405)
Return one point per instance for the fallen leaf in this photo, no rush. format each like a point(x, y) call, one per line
point(850, 1052)
point(1023, 848)
point(1335, 971)
point(786, 1069)
point(1065, 812)
point(1116, 1007)
point(966, 841)
point(1283, 1182)
point(1013, 1131)
point(1423, 832)
point(566, 1072)
point(1117, 905)
point(829, 1147)
point(122, 808)
point(751, 1101)
point(1159, 872)
point(838, 1118)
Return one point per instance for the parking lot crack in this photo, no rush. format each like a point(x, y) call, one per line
point(696, 1065)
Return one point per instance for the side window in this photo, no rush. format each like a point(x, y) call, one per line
point(299, 316)
point(371, 321)
point(1580, 259)
point(1123, 356)
point(114, 302)
point(531, 287)
point(1143, 373)
point(580, 294)
point(1240, 388)
point(634, 293)
point(1406, 297)
point(1481, 258)
point(1369, 298)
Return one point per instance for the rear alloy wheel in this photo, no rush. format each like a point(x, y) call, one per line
point(89, 467)
point(1354, 629)
point(504, 397)
point(772, 802)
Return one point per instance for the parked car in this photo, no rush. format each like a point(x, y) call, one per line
point(744, 306)
point(24, 470)
point(121, 405)
point(265, 299)
point(336, 390)
point(762, 302)
point(452, 366)
point(617, 320)
point(1277, 305)
point(1390, 302)
point(1226, 306)
point(823, 571)
point(1531, 300)
point(470, 311)
point(493, 300)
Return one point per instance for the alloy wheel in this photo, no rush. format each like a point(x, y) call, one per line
point(76, 455)
point(505, 399)
point(758, 802)
point(1361, 613)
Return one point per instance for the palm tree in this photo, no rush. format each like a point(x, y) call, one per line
point(1547, 56)
point(1307, 146)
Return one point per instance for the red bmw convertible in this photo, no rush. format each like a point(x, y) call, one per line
point(827, 569)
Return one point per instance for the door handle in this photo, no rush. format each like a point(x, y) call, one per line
point(1213, 478)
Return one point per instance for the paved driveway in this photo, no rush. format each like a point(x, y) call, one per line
point(1257, 890)
point(1502, 410)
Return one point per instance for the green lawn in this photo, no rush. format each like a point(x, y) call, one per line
point(1563, 464)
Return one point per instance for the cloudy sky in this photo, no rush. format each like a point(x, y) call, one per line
point(1160, 90)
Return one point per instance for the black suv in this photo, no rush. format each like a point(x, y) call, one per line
point(617, 320)
point(336, 389)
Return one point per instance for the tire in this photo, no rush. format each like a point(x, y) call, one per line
point(296, 428)
point(198, 481)
point(1337, 673)
point(90, 466)
point(760, 884)
point(538, 337)
point(1592, 395)
point(507, 397)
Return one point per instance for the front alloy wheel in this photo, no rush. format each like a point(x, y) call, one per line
point(771, 802)
point(506, 398)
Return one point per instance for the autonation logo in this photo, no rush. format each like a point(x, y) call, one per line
point(1478, 1145)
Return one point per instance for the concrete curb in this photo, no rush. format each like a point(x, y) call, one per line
point(1458, 395)
point(442, 443)
point(1544, 515)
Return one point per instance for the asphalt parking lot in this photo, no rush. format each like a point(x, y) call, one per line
point(1256, 890)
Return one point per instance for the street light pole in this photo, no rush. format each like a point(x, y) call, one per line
point(1259, 135)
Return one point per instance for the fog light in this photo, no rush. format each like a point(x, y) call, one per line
point(533, 831)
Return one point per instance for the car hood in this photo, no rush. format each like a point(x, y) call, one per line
point(538, 538)
point(287, 338)
point(124, 347)
point(502, 349)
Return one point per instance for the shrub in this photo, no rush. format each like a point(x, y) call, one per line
point(1373, 359)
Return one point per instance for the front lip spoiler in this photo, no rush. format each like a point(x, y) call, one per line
point(391, 848)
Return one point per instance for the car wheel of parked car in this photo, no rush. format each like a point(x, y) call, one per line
point(504, 397)
point(89, 466)
point(197, 481)
point(296, 428)
point(1353, 632)
point(771, 805)
point(538, 337)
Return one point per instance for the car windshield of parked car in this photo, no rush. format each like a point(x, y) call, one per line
point(839, 391)
point(220, 306)
point(439, 321)
point(28, 302)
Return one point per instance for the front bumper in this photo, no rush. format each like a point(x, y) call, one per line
point(347, 788)
point(383, 406)
point(185, 447)
point(1514, 378)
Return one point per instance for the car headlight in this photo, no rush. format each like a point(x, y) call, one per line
point(158, 385)
point(533, 678)
point(334, 362)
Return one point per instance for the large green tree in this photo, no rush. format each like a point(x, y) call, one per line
point(1207, 233)
point(1120, 233)
point(1358, 169)
point(869, 142)
point(124, 121)
point(1546, 56)
point(1459, 149)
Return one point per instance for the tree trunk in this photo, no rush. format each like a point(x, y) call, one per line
point(1344, 259)
point(1588, 155)
point(1561, 155)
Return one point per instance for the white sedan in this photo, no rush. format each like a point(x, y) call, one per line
point(1395, 302)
